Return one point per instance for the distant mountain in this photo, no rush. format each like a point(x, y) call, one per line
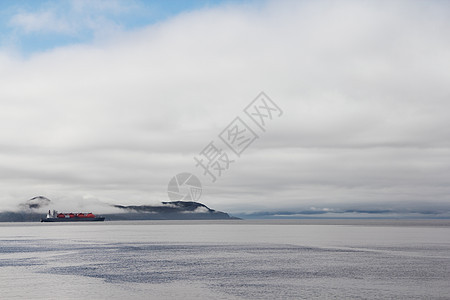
point(176, 210)
point(36, 202)
point(28, 211)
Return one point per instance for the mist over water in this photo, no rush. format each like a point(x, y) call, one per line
point(225, 260)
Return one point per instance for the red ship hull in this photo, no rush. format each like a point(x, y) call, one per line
point(75, 219)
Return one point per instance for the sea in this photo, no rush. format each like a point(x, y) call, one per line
point(228, 259)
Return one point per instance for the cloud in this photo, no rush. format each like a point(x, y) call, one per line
point(363, 87)
point(75, 18)
point(42, 21)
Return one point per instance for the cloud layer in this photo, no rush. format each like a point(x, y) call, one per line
point(363, 86)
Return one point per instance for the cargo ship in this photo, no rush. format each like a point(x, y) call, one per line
point(71, 217)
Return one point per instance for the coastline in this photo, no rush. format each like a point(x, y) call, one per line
point(281, 222)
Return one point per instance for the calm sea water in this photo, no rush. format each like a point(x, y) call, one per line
point(225, 260)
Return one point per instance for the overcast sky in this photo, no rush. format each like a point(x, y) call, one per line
point(103, 102)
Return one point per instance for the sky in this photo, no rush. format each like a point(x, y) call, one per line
point(103, 102)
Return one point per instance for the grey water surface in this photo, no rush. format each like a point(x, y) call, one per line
point(226, 260)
